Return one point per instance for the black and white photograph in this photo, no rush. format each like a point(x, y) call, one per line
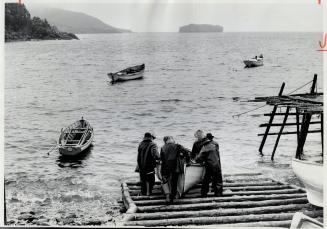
point(163, 113)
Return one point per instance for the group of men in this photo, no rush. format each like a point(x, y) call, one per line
point(169, 164)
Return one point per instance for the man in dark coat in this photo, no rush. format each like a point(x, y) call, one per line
point(173, 158)
point(147, 160)
point(209, 154)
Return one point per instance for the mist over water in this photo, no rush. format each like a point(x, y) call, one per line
point(192, 81)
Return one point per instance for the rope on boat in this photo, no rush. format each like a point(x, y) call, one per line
point(52, 149)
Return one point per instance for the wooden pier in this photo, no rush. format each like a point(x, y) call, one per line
point(249, 199)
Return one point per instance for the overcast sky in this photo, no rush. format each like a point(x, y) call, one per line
point(169, 15)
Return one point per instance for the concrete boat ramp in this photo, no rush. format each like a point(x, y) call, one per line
point(249, 200)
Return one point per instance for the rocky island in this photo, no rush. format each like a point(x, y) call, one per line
point(201, 28)
point(19, 26)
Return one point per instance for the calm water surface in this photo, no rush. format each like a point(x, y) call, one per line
point(191, 81)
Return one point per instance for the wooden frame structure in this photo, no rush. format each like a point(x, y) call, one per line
point(303, 105)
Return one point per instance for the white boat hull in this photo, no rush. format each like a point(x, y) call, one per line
point(126, 77)
point(312, 175)
point(193, 174)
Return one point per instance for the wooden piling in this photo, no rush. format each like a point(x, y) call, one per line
point(297, 125)
point(270, 122)
point(280, 132)
point(322, 132)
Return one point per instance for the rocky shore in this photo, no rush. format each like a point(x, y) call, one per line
point(36, 217)
point(19, 26)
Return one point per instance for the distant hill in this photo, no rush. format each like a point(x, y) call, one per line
point(201, 28)
point(20, 26)
point(75, 22)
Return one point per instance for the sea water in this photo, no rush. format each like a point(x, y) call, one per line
point(191, 81)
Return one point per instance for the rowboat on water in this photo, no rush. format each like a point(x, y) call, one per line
point(75, 138)
point(131, 73)
point(254, 62)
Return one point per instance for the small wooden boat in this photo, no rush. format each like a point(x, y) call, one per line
point(254, 62)
point(131, 73)
point(193, 174)
point(301, 221)
point(311, 174)
point(76, 138)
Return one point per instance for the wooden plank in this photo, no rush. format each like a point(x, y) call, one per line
point(265, 183)
point(280, 133)
point(304, 101)
point(251, 188)
point(220, 199)
point(286, 124)
point(233, 189)
point(229, 178)
point(268, 224)
point(279, 114)
point(270, 122)
point(219, 212)
point(242, 174)
point(266, 192)
point(213, 220)
point(243, 204)
point(128, 202)
point(292, 132)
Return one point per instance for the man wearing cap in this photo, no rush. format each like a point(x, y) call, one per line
point(209, 154)
point(147, 159)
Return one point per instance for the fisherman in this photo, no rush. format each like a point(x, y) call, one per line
point(209, 154)
point(147, 160)
point(200, 138)
point(82, 121)
point(173, 157)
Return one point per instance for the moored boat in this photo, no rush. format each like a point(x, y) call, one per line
point(75, 138)
point(311, 174)
point(254, 62)
point(131, 73)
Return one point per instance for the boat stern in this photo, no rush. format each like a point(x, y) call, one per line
point(69, 150)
